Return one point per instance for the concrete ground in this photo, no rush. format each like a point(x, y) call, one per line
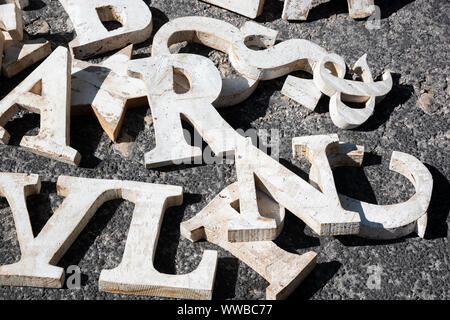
point(412, 42)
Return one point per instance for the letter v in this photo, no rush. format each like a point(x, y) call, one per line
point(45, 91)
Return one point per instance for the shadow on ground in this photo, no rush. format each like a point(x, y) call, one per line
point(273, 9)
point(316, 280)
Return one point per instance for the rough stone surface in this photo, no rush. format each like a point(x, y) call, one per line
point(412, 42)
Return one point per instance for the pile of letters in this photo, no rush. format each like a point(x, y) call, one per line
point(246, 216)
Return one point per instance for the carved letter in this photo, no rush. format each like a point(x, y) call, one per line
point(283, 270)
point(276, 61)
point(328, 75)
point(45, 91)
point(388, 221)
point(136, 273)
point(168, 107)
point(215, 34)
point(93, 38)
point(280, 60)
point(321, 211)
point(83, 197)
point(355, 91)
point(107, 88)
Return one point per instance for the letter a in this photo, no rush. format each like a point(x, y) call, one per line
point(45, 91)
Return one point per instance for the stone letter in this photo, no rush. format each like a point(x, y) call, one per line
point(93, 38)
point(283, 270)
point(45, 91)
point(169, 107)
point(82, 199)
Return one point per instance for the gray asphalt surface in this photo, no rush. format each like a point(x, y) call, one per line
point(413, 42)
